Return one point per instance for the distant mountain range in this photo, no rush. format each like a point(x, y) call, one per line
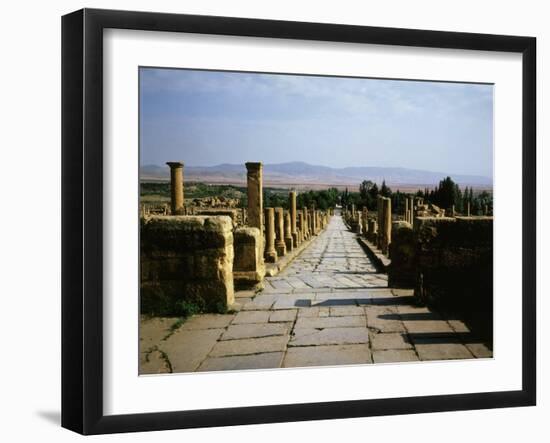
point(303, 174)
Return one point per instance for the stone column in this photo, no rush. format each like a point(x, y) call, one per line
point(373, 229)
point(468, 209)
point(176, 187)
point(313, 227)
point(280, 232)
point(365, 221)
point(386, 225)
point(270, 251)
point(293, 216)
point(289, 238)
point(379, 221)
point(406, 209)
point(305, 225)
point(453, 212)
point(254, 181)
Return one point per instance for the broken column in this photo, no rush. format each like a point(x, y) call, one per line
point(293, 218)
point(365, 221)
point(176, 187)
point(301, 226)
point(280, 245)
point(254, 182)
point(270, 251)
point(306, 223)
point(386, 224)
point(289, 240)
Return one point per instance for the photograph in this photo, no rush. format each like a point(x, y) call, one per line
point(293, 221)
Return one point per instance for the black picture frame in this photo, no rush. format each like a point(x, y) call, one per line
point(82, 218)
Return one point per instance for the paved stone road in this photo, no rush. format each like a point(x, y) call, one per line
point(328, 307)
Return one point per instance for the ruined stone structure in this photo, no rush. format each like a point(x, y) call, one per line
point(293, 219)
point(364, 221)
point(186, 259)
point(280, 244)
point(384, 224)
point(176, 187)
point(254, 180)
point(449, 262)
point(248, 265)
point(289, 240)
point(270, 251)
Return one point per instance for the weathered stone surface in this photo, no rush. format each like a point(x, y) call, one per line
point(233, 363)
point(454, 265)
point(391, 340)
point(331, 322)
point(283, 316)
point(402, 269)
point(434, 348)
point(245, 317)
point(384, 319)
point(254, 179)
point(187, 349)
point(327, 356)
point(186, 259)
point(343, 311)
point(255, 330)
point(428, 326)
point(329, 336)
point(153, 330)
point(207, 321)
point(176, 187)
point(153, 363)
point(248, 265)
point(250, 346)
point(479, 350)
point(394, 356)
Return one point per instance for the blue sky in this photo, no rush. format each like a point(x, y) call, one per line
point(209, 117)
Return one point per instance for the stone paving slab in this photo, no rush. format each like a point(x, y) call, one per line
point(187, 349)
point(153, 330)
point(235, 332)
point(329, 336)
point(344, 311)
point(479, 350)
point(250, 346)
point(394, 356)
point(246, 317)
point(207, 321)
point(391, 340)
point(283, 316)
point(378, 318)
point(428, 326)
point(327, 356)
point(437, 349)
point(331, 322)
point(240, 362)
point(153, 363)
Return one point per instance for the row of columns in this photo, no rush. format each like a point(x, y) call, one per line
point(284, 230)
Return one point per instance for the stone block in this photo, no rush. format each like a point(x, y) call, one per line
point(186, 260)
point(248, 265)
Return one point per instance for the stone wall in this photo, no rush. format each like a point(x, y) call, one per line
point(453, 265)
point(402, 251)
point(186, 260)
point(248, 265)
